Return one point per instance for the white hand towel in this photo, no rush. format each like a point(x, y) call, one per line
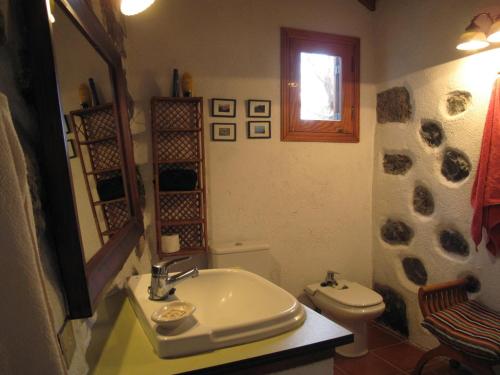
point(28, 342)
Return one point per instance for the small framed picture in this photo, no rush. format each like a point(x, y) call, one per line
point(259, 108)
point(259, 129)
point(71, 148)
point(223, 132)
point(224, 107)
point(67, 124)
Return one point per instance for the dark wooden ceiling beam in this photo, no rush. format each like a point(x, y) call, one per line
point(370, 4)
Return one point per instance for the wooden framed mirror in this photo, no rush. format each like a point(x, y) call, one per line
point(87, 153)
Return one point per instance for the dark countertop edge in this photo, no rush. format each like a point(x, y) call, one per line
point(281, 360)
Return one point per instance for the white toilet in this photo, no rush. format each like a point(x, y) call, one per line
point(250, 255)
point(351, 305)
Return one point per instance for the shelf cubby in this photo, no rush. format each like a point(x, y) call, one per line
point(99, 152)
point(177, 131)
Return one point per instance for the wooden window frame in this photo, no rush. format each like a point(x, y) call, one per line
point(294, 129)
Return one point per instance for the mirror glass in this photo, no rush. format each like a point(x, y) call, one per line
point(93, 150)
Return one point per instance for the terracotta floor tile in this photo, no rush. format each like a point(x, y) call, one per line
point(366, 365)
point(378, 337)
point(440, 366)
point(403, 355)
point(437, 366)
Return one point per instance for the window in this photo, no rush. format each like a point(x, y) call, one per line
point(319, 87)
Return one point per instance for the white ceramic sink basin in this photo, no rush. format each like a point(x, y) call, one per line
point(232, 307)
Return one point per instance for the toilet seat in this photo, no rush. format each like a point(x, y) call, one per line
point(347, 293)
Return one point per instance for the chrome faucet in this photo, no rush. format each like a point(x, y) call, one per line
point(330, 279)
point(162, 284)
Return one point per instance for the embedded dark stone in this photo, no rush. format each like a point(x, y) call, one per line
point(415, 270)
point(473, 284)
point(396, 232)
point(431, 133)
point(423, 201)
point(397, 164)
point(458, 102)
point(394, 315)
point(455, 166)
point(454, 242)
point(393, 105)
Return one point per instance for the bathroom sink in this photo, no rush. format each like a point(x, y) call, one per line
point(233, 307)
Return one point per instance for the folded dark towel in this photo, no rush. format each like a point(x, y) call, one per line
point(178, 179)
point(111, 188)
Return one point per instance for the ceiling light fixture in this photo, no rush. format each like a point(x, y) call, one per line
point(132, 7)
point(474, 38)
point(494, 34)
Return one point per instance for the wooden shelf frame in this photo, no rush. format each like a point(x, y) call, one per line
point(178, 143)
point(100, 119)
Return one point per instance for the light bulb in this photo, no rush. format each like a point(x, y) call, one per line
point(132, 7)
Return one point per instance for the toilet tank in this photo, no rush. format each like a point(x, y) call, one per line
point(248, 255)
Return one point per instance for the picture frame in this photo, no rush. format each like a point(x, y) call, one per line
point(259, 108)
point(71, 148)
point(223, 107)
point(259, 129)
point(223, 132)
point(67, 124)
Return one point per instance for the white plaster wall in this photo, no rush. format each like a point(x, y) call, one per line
point(430, 71)
point(310, 201)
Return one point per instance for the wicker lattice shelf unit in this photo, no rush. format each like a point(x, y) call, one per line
point(99, 153)
point(177, 125)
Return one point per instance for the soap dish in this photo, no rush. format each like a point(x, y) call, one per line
point(173, 313)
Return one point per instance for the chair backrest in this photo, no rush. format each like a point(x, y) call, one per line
point(436, 297)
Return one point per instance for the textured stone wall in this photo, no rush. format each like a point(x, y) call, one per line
point(15, 83)
point(422, 213)
point(449, 92)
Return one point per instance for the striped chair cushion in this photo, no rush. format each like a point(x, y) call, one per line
point(469, 327)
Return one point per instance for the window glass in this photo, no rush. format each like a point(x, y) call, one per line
point(320, 87)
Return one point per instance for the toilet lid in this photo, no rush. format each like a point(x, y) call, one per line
point(349, 293)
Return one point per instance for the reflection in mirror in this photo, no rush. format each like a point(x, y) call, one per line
point(320, 87)
point(86, 96)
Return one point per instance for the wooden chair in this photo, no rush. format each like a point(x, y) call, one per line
point(437, 297)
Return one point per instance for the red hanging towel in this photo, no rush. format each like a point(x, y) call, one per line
point(485, 197)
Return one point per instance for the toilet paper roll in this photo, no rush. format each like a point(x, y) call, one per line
point(170, 243)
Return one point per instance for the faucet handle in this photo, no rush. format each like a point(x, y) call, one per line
point(330, 275)
point(161, 268)
point(330, 279)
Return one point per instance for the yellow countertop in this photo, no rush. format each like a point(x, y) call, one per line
point(127, 350)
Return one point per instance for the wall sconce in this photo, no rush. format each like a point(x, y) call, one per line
point(475, 39)
point(494, 36)
point(132, 7)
